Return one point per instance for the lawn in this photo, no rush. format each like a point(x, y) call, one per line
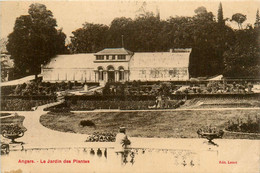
point(166, 124)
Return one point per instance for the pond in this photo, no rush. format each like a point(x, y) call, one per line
point(146, 155)
point(106, 160)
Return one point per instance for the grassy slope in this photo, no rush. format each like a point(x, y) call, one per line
point(146, 124)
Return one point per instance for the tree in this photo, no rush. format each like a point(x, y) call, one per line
point(200, 10)
point(146, 33)
point(257, 19)
point(90, 38)
point(118, 27)
point(209, 41)
point(221, 20)
point(34, 40)
point(242, 59)
point(239, 18)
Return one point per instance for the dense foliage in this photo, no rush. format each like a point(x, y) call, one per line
point(34, 40)
point(242, 59)
point(211, 40)
point(216, 47)
point(249, 125)
point(37, 88)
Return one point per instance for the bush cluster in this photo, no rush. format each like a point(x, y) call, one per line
point(84, 123)
point(101, 137)
point(138, 88)
point(241, 125)
point(38, 88)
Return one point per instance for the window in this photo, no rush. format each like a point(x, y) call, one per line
point(113, 57)
point(121, 74)
point(173, 73)
point(142, 73)
point(107, 57)
point(100, 57)
point(154, 73)
point(121, 57)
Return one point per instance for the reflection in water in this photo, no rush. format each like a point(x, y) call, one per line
point(132, 155)
point(127, 154)
point(99, 152)
point(191, 163)
point(184, 163)
point(100, 158)
point(105, 153)
point(213, 143)
point(92, 152)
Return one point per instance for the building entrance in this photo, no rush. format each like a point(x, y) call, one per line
point(111, 75)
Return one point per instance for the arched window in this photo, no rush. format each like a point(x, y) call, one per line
point(110, 68)
point(121, 73)
point(100, 73)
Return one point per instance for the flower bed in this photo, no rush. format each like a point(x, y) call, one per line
point(101, 137)
point(249, 125)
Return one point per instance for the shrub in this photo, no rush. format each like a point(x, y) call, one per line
point(87, 123)
point(249, 126)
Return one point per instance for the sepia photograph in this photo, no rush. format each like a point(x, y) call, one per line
point(125, 86)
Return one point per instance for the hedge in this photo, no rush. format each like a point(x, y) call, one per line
point(152, 98)
point(82, 105)
point(21, 105)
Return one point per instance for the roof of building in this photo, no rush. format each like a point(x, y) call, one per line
point(138, 60)
point(215, 78)
point(160, 60)
point(114, 51)
point(72, 61)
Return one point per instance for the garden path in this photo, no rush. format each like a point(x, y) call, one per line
point(38, 136)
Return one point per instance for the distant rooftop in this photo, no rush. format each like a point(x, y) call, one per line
point(114, 51)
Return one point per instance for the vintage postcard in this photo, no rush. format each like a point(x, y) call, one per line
point(130, 86)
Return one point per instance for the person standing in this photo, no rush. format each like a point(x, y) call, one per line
point(122, 141)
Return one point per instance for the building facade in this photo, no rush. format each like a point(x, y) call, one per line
point(119, 65)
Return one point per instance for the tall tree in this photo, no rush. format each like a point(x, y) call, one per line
point(90, 38)
point(257, 19)
point(221, 20)
point(239, 18)
point(34, 40)
point(118, 27)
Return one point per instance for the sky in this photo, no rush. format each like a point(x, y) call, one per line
point(70, 15)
